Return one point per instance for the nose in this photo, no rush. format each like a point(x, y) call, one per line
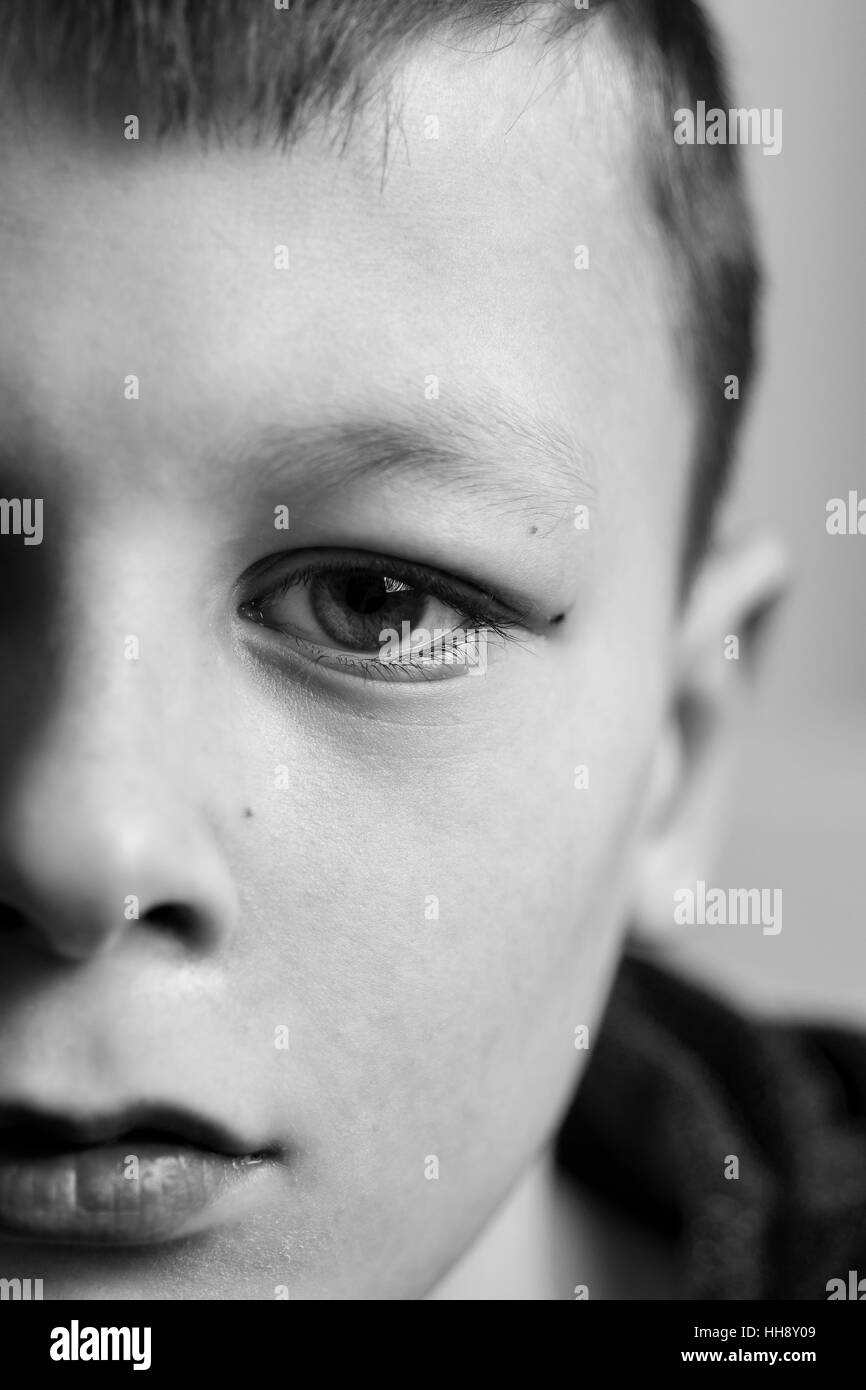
point(106, 831)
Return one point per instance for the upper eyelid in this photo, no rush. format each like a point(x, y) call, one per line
point(436, 581)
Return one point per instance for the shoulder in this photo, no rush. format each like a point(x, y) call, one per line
point(744, 1142)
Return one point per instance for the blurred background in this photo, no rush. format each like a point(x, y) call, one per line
point(798, 810)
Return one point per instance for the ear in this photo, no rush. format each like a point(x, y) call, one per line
point(722, 628)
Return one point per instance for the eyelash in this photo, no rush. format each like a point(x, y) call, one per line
point(506, 628)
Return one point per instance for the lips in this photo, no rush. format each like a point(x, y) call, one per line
point(147, 1175)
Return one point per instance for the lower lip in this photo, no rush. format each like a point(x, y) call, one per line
point(139, 1194)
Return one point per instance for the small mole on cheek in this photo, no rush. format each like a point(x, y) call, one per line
point(533, 530)
point(248, 811)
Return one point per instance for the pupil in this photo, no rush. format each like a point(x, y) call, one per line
point(365, 594)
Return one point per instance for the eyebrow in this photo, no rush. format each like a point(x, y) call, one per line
point(487, 449)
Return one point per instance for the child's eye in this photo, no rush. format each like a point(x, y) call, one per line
point(374, 616)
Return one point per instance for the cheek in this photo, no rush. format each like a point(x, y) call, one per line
point(436, 903)
point(431, 907)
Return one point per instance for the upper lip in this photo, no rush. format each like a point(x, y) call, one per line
point(23, 1126)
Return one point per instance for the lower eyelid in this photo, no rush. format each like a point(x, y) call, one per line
point(302, 649)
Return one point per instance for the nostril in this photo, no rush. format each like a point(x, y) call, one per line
point(177, 917)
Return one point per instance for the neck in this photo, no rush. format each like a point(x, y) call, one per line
point(551, 1240)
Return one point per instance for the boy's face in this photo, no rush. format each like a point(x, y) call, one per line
point(372, 909)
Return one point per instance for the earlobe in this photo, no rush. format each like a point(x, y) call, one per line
point(721, 630)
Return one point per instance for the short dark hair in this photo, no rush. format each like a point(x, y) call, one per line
point(202, 63)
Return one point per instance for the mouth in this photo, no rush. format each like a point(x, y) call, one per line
point(139, 1177)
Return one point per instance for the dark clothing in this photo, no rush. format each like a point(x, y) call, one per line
point(677, 1085)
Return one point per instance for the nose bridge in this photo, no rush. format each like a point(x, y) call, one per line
point(105, 820)
point(118, 668)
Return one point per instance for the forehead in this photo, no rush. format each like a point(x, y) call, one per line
point(437, 243)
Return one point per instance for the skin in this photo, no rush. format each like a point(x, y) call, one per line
point(307, 904)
